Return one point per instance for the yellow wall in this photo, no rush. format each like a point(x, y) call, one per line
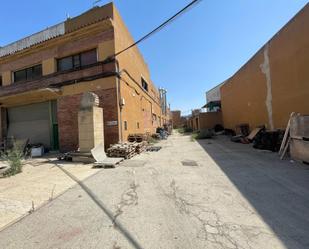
point(139, 105)
point(208, 120)
point(274, 83)
point(6, 78)
point(49, 66)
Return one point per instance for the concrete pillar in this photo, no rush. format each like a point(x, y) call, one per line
point(90, 123)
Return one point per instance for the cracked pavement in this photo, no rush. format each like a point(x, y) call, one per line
point(236, 198)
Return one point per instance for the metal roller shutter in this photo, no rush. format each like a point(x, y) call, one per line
point(31, 122)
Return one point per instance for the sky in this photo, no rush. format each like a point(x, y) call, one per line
point(199, 50)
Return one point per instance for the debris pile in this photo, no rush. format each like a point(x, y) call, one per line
point(154, 148)
point(261, 138)
point(268, 140)
point(162, 133)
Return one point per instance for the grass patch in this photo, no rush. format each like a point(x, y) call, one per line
point(152, 140)
point(185, 130)
point(194, 136)
point(203, 134)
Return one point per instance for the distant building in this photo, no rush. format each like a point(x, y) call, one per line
point(177, 120)
point(204, 120)
point(213, 99)
point(201, 120)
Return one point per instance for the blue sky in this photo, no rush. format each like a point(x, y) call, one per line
point(196, 52)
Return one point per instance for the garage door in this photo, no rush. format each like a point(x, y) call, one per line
point(31, 122)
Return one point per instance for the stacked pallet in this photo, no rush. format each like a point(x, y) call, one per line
point(137, 138)
point(126, 150)
point(141, 147)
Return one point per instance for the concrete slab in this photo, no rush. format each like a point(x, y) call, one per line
point(40, 182)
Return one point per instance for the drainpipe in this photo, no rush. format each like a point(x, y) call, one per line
point(119, 99)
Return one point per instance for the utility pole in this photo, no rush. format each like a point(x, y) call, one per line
point(163, 100)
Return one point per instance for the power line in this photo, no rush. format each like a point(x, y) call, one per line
point(168, 21)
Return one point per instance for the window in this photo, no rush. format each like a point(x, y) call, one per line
point(144, 84)
point(65, 64)
point(88, 58)
point(77, 61)
point(154, 118)
point(29, 73)
point(137, 125)
point(125, 125)
point(1, 81)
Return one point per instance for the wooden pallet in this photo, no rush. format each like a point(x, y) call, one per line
point(126, 150)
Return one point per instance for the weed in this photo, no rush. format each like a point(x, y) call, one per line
point(152, 140)
point(194, 136)
point(14, 158)
point(185, 130)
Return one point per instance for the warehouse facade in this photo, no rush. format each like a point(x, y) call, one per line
point(272, 84)
point(43, 77)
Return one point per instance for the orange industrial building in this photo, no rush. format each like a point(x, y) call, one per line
point(43, 77)
point(274, 82)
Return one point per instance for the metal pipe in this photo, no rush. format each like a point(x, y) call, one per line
point(119, 98)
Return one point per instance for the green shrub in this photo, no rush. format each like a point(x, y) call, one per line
point(185, 130)
point(188, 130)
point(205, 134)
point(14, 159)
point(181, 130)
point(194, 136)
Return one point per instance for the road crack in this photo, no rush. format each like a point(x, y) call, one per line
point(128, 198)
point(212, 229)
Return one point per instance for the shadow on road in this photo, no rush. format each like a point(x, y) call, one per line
point(102, 206)
point(278, 190)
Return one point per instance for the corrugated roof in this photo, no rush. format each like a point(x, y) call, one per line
point(31, 40)
point(94, 15)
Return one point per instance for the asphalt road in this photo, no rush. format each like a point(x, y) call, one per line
point(207, 194)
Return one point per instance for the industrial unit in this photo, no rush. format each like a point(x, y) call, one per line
point(43, 77)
